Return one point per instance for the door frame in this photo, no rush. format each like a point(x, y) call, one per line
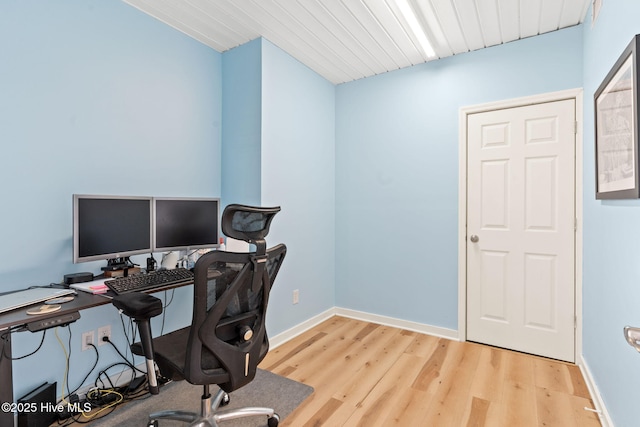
point(576, 95)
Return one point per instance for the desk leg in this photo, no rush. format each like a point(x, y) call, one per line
point(6, 380)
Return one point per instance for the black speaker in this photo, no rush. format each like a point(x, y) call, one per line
point(70, 279)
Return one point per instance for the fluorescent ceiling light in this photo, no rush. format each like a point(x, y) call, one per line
point(418, 31)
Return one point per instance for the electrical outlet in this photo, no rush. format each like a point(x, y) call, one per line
point(88, 337)
point(296, 296)
point(104, 331)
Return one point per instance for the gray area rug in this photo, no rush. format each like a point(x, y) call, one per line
point(267, 389)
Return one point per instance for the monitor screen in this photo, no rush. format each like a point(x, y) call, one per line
point(108, 227)
point(185, 223)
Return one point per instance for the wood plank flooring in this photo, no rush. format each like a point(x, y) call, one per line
point(366, 374)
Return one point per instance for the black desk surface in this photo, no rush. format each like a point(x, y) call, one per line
point(20, 317)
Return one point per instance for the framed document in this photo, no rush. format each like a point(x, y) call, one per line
point(616, 126)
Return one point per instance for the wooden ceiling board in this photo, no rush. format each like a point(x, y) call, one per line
point(450, 25)
point(417, 53)
point(326, 46)
point(489, 22)
point(470, 23)
point(432, 27)
point(390, 18)
point(509, 15)
point(339, 30)
point(239, 30)
point(247, 26)
point(345, 40)
point(574, 12)
point(530, 17)
point(550, 15)
point(379, 36)
point(360, 33)
point(163, 12)
point(282, 35)
point(333, 44)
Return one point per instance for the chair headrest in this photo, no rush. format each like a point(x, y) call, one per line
point(248, 223)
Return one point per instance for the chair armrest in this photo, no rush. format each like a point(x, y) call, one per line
point(141, 307)
point(138, 305)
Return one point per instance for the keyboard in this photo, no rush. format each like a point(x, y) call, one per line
point(149, 281)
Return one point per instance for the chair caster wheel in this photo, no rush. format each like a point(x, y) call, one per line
point(273, 421)
point(225, 400)
point(153, 423)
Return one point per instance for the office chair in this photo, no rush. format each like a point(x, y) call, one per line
point(227, 337)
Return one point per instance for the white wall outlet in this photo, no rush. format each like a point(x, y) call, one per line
point(104, 331)
point(88, 337)
point(296, 296)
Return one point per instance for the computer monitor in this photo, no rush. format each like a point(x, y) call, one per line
point(111, 228)
point(185, 223)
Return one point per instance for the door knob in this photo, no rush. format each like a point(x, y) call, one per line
point(474, 238)
point(633, 336)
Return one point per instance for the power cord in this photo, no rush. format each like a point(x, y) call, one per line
point(71, 396)
point(131, 365)
point(105, 396)
point(113, 395)
point(106, 399)
point(5, 338)
point(95, 364)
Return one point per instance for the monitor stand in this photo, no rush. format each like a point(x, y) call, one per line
point(120, 267)
point(114, 264)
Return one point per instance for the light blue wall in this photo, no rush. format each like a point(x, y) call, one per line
point(611, 288)
point(96, 98)
point(278, 150)
point(93, 88)
point(298, 174)
point(241, 123)
point(397, 170)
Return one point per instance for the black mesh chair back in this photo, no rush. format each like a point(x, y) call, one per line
point(227, 337)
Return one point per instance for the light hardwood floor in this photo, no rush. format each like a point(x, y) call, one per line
point(366, 374)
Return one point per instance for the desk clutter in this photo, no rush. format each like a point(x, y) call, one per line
point(95, 287)
point(27, 297)
point(230, 294)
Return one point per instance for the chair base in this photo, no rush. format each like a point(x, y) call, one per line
point(210, 415)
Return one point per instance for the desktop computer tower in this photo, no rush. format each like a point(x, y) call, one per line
point(34, 408)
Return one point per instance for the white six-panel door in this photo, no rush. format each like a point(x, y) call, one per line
point(521, 227)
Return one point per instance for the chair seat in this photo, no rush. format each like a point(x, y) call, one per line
point(170, 354)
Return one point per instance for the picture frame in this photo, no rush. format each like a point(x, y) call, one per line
point(616, 128)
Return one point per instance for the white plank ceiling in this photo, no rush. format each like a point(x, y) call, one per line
point(345, 40)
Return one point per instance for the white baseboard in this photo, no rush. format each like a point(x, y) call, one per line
point(399, 323)
point(300, 328)
point(360, 315)
point(601, 409)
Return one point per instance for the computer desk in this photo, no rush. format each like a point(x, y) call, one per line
point(19, 317)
